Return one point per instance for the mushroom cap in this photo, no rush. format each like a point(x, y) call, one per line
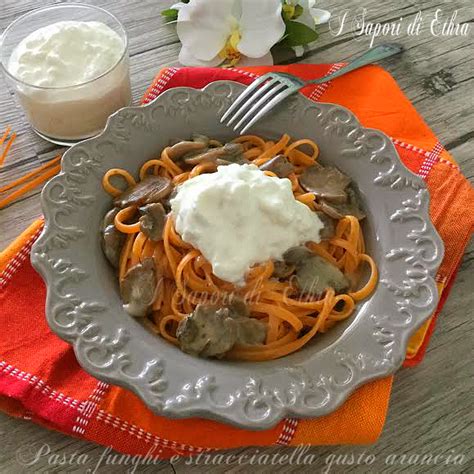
point(278, 165)
point(282, 269)
point(329, 229)
point(180, 149)
point(112, 243)
point(149, 190)
point(138, 288)
point(325, 182)
point(211, 331)
point(229, 153)
point(296, 255)
point(112, 239)
point(314, 274)
point(152, 221)
point(207, 332)
point(349, 208)
point(110, 217)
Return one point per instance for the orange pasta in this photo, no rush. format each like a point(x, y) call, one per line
point(110, 188)
point(187, 279)
point(37, 178)
point(7, 146)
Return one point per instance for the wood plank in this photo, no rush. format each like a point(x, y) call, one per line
point(436, 74)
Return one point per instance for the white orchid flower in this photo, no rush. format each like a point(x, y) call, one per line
point(311, 16)
point(215, 32)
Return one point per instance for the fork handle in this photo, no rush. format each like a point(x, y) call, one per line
point(371, 56)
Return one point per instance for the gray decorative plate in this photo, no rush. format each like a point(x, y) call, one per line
point(83, 304)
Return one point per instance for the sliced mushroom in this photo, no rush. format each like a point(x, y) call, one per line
point(138, 288)
point(329, 229)
point(329, 210)
point(279, 165)
point(180, 149)
point(326, 182)
point(197, 137)
point(282, 269)
point(112, 239)
point(151, 189)
point(349, 208)
point(229, 153)
point(211, 331)
point(208, 155)
point(296, 255)
point(314, 274)
point(250, 331)
point(234, 154)
point(110, 217)
point(152, 222)
point(238, 308)
point(167, 200)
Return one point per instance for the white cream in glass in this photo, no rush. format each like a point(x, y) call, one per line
point(69, 74)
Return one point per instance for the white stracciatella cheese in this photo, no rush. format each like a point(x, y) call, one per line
point(239, 217)
point(73, 75)
point(66, 53)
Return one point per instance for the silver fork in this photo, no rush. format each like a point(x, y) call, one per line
point(273, 88)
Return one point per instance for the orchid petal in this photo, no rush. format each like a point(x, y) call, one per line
point(204, 26)
point(186, 58)
point(320, 16)
point(261, 26)
point(266, 60)
point(306, 17)
point(177, 6)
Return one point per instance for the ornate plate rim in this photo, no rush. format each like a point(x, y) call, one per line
point(254, 405)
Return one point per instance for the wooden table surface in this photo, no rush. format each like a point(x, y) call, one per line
point(431, 407)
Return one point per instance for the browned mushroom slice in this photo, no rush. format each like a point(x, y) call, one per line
point(151, 189)
point(238, 307)
point(197, 137)
point(152, 222)
point(208, 331)
point(329, 210)
point(314, 275)
point(234, 153)
point(167, 200)
point(138, 288)
point(112, 239)
point(250, 331)
point(329, 229)
point(110, 217)
point(296, 255)
point(282, 269)
point(211, 331)
point(223, 155)
point(179, 150)
point(325, 182)
point(208, 155)
point(279, 165)
point(349, 208)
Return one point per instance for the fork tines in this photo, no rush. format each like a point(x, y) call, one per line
point(256, 100)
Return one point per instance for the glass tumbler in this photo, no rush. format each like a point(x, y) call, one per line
point(68, 114)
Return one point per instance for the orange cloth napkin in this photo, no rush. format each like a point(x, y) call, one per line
point(41, 379)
